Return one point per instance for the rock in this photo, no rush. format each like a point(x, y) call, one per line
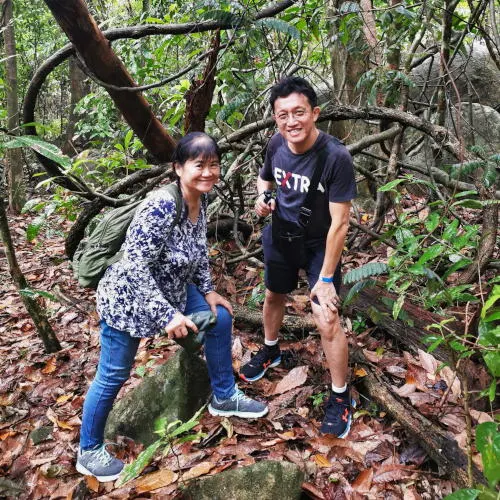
point(264, 480)
point(175, 391)
point(478, 68)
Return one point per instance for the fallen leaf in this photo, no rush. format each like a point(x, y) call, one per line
point(372, 356)
point(50, 366)
point(6, 400)
point(293, 379)
point(452, 380)
point(393, 472)
point(322, 461)
point(198, 470)
point(51, 415)
point(360, 372)
point(428, 361)
point(480, 416)
point(92, 483)
point(310, 488)
point(405, 390)
point(5, 435)
point(155, 480)
point(456, 423)
point(363, 482)
point(64, 398)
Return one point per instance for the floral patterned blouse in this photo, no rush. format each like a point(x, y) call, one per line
point(140, 293)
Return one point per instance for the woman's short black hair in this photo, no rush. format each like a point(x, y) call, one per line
point(292, 84)
point(193, 145)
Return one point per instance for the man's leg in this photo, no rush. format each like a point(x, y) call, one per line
point(273, 312)
point(280, 279)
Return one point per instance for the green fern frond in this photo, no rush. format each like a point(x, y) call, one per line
point(356, 288)
point(279, 25)
point(360, 273)
point(462, 170)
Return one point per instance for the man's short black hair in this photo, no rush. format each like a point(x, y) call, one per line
point(292, 84)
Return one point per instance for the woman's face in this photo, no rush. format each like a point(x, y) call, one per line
point(199, 175)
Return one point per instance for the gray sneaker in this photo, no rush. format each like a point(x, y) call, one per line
point(238, 405)
point(99, 463)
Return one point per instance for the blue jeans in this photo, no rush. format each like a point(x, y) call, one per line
point(118, 350)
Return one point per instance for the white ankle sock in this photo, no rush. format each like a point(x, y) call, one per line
point(271, 343)
point(339, 390)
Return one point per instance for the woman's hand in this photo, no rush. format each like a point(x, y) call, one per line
point(178, 326)
point(214, 299)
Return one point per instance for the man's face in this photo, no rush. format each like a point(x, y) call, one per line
point(296, 120)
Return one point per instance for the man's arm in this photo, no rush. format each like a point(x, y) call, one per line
point(325, 292)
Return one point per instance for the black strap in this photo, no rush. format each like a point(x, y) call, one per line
point(305, 210)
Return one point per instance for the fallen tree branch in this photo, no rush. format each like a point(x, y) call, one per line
point(442, 448)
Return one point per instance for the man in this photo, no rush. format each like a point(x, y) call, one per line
point(292, 156)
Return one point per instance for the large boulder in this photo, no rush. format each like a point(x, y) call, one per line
point(176, 391)
point(264, 480)
point(477, 68)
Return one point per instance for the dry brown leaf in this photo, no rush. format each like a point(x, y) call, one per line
point(390, 473)
point(360, 372)
point(363, 482)
point(92, 483)
point(293, 379)
point(405, 390)
point(428, 361)
point(452, 380)
point(5, 435)
point(51, 415)
point(480, 416)
point(455, 422)
point(372, 356)
point(6, 400)
point(397, 371)
point(322, 461)
point(312, 490)
point(65, 397)
point(50, 366)
point(198, 470)
point(155, 480)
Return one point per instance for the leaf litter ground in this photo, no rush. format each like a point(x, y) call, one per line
point(41, 398)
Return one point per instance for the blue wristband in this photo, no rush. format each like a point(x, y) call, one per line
point(324, 279)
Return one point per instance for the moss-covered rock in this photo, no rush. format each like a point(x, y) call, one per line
point(175, 391)
point(266, 480)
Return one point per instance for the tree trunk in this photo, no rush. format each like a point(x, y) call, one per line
point(95, 51)
point(15, 180)
point(37, 314)
point(78, 90)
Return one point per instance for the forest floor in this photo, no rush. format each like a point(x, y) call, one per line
point(41, 397)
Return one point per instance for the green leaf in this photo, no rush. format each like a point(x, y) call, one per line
point(279, 25)
point(356, 288)
point(391, 185)
point(32, 293)
point(46, 149)
point(451, 230)
point(492, 360)
point(430, 254)
point(370, 269)
point(465, 494)
point(488, 443)
point(432, 221)
point(33, 229)
point(132, 470)
point(492, 390)
point(397, 306)
point(492, 298)
point(475, 204)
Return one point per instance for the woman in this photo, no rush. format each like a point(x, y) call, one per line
point(163, 276)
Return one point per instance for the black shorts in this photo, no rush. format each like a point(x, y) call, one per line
point(281, 277)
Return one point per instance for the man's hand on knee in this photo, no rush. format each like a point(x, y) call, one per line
point(325, 295)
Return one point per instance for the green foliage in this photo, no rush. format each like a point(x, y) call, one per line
point(370, 269)
point(171, 434)
point(32, 294)
point(318, 399)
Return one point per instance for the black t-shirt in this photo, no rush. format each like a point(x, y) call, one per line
point(293, 173)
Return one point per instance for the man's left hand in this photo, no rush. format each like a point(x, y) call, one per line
point(214, 299)
point(328, 299)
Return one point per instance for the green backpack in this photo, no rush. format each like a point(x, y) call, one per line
point(101, 248)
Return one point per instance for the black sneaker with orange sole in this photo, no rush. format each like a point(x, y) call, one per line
point(338, 414)
point(267, 357)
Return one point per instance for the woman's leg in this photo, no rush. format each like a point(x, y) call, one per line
point(217, 345)
point(118, 350)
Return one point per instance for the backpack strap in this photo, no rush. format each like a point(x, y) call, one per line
point(305, 210)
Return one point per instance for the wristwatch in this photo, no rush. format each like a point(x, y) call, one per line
point(326, 279)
